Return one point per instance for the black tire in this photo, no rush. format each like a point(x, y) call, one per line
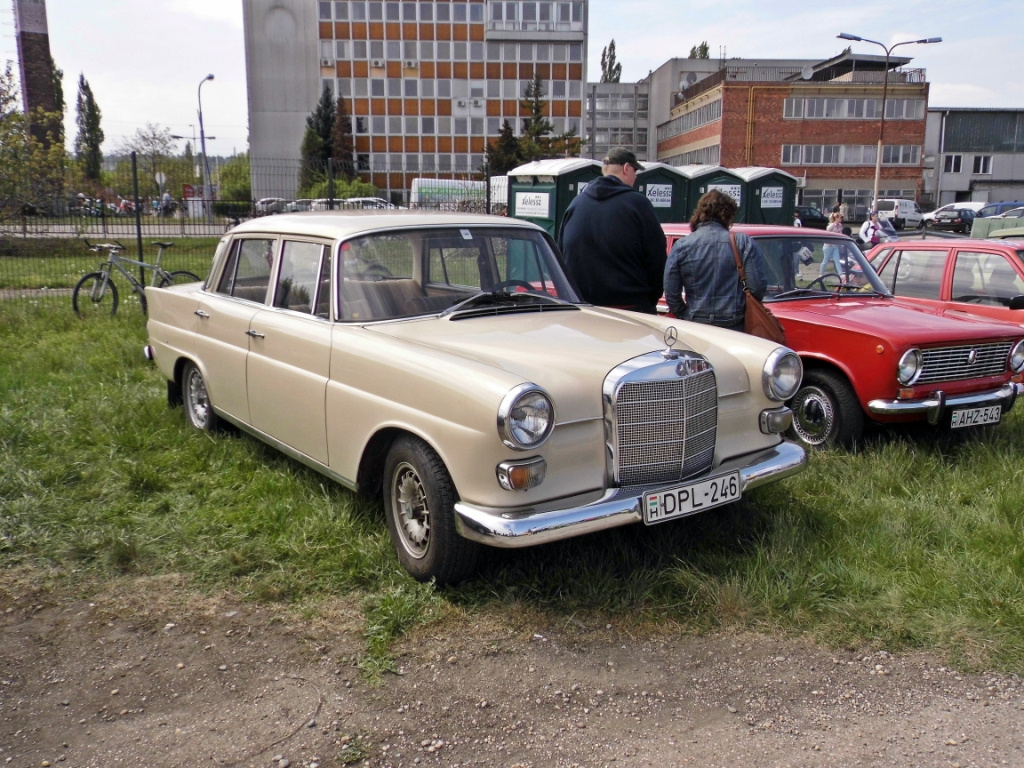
point(181, 277)
point(91, 297)
point(898, 223)
point(826, 411)
point(419, 504)
point(198, 409)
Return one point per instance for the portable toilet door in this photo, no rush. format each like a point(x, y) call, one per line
point(704, 178)
point(770, 195)
point(542, 190)
point(668, 189)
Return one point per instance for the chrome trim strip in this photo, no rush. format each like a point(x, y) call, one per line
point(938, 403)
point(565, 518)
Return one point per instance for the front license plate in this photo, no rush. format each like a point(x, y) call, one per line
point(694, 497)
point(976, 417)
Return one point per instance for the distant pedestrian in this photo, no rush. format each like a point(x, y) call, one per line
point(704, 266)
point(612, 242)
point(796, 219)
point(870, 231)
point(831, 252)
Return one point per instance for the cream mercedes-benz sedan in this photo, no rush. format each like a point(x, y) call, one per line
point(445, 362)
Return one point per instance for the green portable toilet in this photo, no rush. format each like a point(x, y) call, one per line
point(668, 189)
point(704, 178)
point(769, 195)
point(541, 191)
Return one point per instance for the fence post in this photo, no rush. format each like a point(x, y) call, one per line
point(138, 216)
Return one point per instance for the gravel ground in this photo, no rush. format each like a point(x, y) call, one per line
point(148, 673)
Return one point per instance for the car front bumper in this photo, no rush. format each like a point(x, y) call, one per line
point(936, 405)
point(562, 519)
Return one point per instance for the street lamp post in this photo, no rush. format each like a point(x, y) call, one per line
point(206, 165)
point(885, 92)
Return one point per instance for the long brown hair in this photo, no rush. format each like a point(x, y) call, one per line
point(714, 206)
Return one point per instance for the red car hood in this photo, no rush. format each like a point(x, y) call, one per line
point(887, 318)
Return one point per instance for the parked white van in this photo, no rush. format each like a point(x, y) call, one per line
point(902, 213)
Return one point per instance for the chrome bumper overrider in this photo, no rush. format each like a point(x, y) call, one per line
point(938, 403)
point(527, 526)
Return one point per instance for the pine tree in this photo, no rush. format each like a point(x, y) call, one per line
point(90, 135)
point(311, 170)
point(343, 147)
point(611, 71)
point(321, 122)
point(504, 154)
point(537, 142)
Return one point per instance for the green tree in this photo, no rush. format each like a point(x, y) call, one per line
point(154, 153)
point(321, 122)
point(611, 71)
point(504, 153)
point(699, 51)
point(537, 141)
point(343, 146)
point(311, 169)
point(31, 166)
point(236, 179)
point(90, 134)
point(58, 96)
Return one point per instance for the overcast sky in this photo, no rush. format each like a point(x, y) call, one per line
point(144, 60)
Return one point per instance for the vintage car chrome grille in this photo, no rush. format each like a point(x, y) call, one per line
point(954, 363)
point(664, 424)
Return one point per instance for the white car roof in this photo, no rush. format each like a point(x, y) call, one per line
point(348, 223)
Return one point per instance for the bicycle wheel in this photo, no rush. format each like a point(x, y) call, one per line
point(181, 277)
point(95, 294)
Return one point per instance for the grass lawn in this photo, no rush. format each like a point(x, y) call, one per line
point(915, 541)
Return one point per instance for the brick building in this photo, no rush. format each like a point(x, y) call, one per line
point(428, 83)
point(818, 121)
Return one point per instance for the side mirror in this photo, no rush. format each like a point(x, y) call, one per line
point(1017, 302)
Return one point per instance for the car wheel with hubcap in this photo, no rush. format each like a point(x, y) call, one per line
point(419, 504)
point(198, 409)
point(826, 411)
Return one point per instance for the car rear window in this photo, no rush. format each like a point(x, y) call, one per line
point(886, 205)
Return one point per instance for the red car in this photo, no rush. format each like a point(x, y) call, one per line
point(869, 357)
point(982, 277)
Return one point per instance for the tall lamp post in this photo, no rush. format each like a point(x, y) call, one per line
point(207, 203)
point(185, 138)
point(885, 92)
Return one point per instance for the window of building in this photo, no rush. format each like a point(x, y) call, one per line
point(360, 124)
point(362, 162)
point(558, 89)
point(427, 50)
point(341, 11)
point(377, 87)
point(427, 126)
point(459, 50)
point(426, 12)
point(429, 162)
point(444, 89)
point(394, 87)
point(476, 13)
point(395, 125)
point(358, 8)
point(952, 164)
point(476, 51)
point(575, 52)
point(359, 49)
point(459, 12)
point(340, 48)
point(409, 49)
point(476, 89)
point(444, 12)
point(361, 87)
point(394, 50)
point(376, 11)
point(983, 163)
point(427, 89)
point(494, 89)
point(412, 88)
point(411, 125)
point(392, 11)
point(378, 125)
point(376, 49)
point(325, 11)
point(408, 11)
point(444, 51)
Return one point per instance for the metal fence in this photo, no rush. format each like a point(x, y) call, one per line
point(43, 246)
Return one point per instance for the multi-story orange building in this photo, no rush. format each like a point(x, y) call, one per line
point(428, 82)
point(819, 122)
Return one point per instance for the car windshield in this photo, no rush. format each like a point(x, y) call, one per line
point(798, 267)
point(409, 273)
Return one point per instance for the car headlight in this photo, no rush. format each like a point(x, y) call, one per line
point(782, 374)
point(1017, 357)
point(526, 417)
point(909, 368)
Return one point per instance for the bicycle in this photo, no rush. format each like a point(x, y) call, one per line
point(96, 290)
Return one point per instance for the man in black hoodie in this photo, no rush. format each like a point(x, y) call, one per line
point(612, 243)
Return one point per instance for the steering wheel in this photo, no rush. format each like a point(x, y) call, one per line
point(512, 284)
point(825, 279)
point(374, 270)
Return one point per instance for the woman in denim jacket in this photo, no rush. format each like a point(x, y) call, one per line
point(703, 265)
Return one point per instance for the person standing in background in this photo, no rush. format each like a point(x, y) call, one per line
point(612, 243)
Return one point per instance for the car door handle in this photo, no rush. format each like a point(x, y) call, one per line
point(200, 313)
point(254, 334)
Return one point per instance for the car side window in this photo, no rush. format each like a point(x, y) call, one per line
point(915, 274)
point(298, 279)
point(985, 278)
point(246, 274)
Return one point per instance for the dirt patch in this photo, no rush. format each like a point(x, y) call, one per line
point(151, 674)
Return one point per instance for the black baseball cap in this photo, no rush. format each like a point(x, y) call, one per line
point(621, 156)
